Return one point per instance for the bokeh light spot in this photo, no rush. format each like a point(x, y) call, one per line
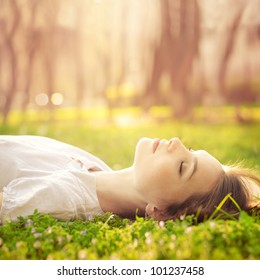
point(41, 99)
point(57, 98)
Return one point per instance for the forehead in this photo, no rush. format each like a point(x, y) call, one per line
point(208, 160)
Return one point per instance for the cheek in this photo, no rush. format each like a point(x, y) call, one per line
point(164, 170)
point(157, 178)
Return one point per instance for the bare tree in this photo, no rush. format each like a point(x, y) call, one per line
point(9, 30)
point(175, 52)
point(228, 49)
point(235, 96)
point(32, 43)
point(187, 49)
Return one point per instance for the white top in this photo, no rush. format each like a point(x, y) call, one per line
point(44, 174)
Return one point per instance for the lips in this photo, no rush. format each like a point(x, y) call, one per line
point(156, 143)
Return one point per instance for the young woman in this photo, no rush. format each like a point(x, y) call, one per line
point(165, 181)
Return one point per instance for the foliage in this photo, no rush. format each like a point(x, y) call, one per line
point(110, 237)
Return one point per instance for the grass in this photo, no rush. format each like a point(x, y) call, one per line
point(110, 237)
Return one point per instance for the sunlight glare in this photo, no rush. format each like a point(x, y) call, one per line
point(41, 99)
point(57, 98)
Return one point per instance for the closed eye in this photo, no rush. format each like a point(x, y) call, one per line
point(181, 165)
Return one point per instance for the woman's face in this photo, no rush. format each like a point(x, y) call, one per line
point(167, 172)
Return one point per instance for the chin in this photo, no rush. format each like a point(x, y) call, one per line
point(143, 142)
point(143, 148)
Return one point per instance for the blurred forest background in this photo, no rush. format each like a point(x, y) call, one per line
point(112, 53)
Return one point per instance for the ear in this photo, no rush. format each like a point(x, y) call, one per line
point(155, 213)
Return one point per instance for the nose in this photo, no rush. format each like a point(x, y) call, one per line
point(175, 143)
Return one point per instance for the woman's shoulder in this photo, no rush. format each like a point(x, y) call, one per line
point(21, 138)
point(47, 145)
point(29, 139)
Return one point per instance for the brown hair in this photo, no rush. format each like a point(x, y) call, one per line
point(235, 183)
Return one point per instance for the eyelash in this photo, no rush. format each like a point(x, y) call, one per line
point(181, 167)
point(189, 149)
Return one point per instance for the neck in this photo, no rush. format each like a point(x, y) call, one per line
point(117, 193)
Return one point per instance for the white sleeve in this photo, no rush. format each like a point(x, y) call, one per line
point(57, 194)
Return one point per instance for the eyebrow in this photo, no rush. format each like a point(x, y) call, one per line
point(195, 167)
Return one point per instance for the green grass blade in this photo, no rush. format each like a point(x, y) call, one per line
point(220, 206)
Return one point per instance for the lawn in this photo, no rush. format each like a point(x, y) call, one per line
point(110, 237)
